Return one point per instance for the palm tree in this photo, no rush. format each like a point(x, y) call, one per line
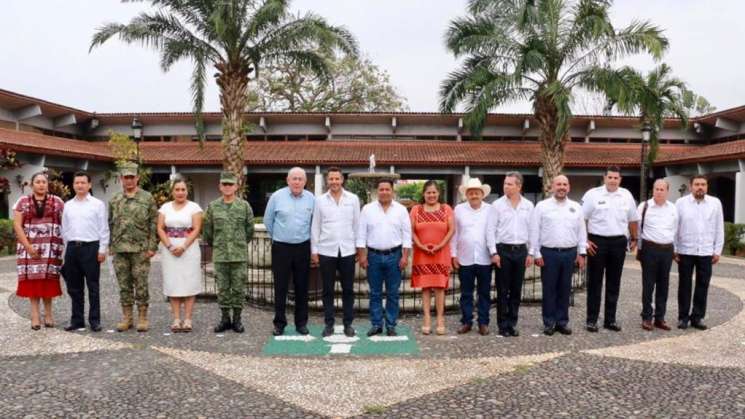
point(537, 50)
point(654, 97)
point(236, 37)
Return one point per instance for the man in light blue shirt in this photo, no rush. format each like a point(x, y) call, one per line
point(287, 218)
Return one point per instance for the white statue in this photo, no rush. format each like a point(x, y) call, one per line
point(372, 163)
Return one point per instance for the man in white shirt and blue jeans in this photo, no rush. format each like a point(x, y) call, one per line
point(332, 241)
point(383, 246)
point(698, 245)
point(470, 252)
point(85, 230)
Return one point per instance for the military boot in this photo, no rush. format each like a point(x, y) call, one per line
point(225, 322)
point(126, 322)
point(237, 325)
point(142, 324)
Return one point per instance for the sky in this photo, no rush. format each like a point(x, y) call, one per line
point(44, 50)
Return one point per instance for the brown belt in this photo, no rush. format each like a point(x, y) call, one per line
point(652, 245)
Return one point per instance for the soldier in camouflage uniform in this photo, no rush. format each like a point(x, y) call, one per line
point(133, 217)
point(228, 227)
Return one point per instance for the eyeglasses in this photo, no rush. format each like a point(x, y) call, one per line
point(227, 184)
point(129, 177)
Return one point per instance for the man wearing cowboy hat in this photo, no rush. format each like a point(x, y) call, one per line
point(471, 254)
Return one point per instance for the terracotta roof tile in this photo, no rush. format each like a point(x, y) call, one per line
point(731, 150)
point(388, 152)
point(40, 143)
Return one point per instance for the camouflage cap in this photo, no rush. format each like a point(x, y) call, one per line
point(227, 177)
point(128, 169)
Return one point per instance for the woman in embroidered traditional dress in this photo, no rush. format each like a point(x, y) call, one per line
point(179, 225)
point(37, 219)
point(432, 227)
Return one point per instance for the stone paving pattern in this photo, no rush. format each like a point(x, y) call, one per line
point(52, 373)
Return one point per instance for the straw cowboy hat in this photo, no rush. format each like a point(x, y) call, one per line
point(474, 183)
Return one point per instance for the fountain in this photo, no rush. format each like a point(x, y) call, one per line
point(371, 178)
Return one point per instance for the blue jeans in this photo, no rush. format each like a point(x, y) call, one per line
point(556, 278)
point(471, 275)
point(383, 269)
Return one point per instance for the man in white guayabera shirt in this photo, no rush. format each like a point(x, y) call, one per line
point(559, 240)
point(658, 223)
point(332, 234)
point(508, 246)
point(698, 245)
point(383, 246)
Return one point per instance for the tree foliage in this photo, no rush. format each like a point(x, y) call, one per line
point(236, 38)
point(352, 85)
point(541, 51)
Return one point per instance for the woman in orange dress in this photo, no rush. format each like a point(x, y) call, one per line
point(432, 227)
point(37, 219)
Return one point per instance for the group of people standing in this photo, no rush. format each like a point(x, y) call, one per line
point(332, 232)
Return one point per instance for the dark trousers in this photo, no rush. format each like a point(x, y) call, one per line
point(509, 280)
point(479, 277)
point(687, 263)
point(290, 262)
point(607, 261)
point(81, 269)
point(329, 267)
point(556, 280)
point(656, 265)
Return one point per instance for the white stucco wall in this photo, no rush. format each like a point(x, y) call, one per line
point(206, 187)
point(26, 171)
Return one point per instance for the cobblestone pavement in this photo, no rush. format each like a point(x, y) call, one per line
point(629, 374)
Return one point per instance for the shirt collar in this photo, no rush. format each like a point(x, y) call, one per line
point(344, 194)
point(86, 198)
point(654, 204)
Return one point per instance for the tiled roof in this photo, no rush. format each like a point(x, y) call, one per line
point(47, 144)
point(388, 152)
point(731, 150)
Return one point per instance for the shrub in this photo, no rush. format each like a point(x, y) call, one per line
point(7, 237)
point(733, 237)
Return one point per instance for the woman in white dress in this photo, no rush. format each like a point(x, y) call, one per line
point(179, 226)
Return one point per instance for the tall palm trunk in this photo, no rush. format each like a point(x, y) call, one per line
point(232, 79)
point(552, 149)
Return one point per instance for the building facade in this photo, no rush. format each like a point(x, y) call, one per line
point(47, 135)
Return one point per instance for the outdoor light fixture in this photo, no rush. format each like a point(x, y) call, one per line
point(137, 134)
point(646, 136)
point(646, 132)
point(137, 129)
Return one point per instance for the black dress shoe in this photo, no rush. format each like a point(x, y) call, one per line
point(327, 331)
point(95, 328)
point(504, 333)
point(278, 331)
point(698, 325)
point(303, 330)
point(374, 331)
point(612, 326)
point(592, 327)
point(682, 324)
point(564, 330)
point(549, 330)
point(514, 332)
point(349, 331)
point(72, 328)
point(391, 331)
